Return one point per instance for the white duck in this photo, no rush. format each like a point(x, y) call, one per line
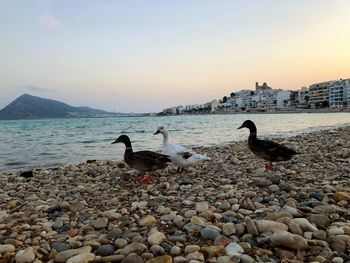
point(180, 155)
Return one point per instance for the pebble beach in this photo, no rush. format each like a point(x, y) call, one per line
point(225, 210)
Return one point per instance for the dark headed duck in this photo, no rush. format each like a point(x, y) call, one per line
point(143, 161)
point(267, 150)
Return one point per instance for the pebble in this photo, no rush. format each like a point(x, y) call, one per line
point(6, 248)
point(156, 238)
point(202, 207)
point(82, 258)
point(148, 221)
point(342, 196)
point(234, 250)
point(288, 240)
point(25, 256)
point(247, 259)
point(120, 243)
point(100, 223)
point(209, 233)
point(229, 229)
point(133, 259)
point(191, 248)
point(65, 255)
point(213, 251)
point(270, 226)
point(195, 256)
point(251, 227)
point(105, 250)
point(161, 259)
point(134, 247)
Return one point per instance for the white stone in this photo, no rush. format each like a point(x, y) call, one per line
point(234, 250)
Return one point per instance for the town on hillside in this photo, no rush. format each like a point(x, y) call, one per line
point(334, 95)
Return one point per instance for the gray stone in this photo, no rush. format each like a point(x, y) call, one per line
point(209, 233)
point(135, 247)
point(100, 223)
point(320, 220)
point(120, 242)
point(114, 233)
point(229, 229)
point(105, 250)
point(60, 246)
point(250, 225)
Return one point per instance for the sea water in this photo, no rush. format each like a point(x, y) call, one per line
point(26, 144)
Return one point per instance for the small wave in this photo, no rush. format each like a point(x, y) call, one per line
point(15, 163)
point(88, 141)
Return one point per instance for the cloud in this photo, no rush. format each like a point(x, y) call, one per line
point(50, 21)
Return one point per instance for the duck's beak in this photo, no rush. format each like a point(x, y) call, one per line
point(116, 141)
point(240, 127)
point(156, 132)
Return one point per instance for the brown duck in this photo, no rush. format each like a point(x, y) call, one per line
point(143, 161)
point(267, 150)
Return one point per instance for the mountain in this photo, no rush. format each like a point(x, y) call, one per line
point(32, 107)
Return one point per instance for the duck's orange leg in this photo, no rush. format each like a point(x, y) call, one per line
point(148, 179)
point(268, 167)
point(142, 176)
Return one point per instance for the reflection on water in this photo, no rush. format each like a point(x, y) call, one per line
point(36, 143)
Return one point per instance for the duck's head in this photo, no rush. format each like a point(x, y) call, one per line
point(122, 139)
point(161, 130)
point(248, 124)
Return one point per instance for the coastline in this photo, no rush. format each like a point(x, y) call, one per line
point(226, 208)
point(287, 111)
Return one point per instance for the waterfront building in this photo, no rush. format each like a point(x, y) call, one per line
point(319, 94)
point(339, 93)
point(303, 97)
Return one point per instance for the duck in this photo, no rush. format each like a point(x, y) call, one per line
point(180, 155)
point(142, 161)
point(267, 150)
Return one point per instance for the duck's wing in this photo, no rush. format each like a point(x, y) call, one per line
point(276, 151)
point(150, 159)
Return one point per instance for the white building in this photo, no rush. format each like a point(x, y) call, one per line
point(283, 98)
point(339, 93)
point(302, 93)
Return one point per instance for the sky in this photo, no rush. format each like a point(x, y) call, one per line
point(143, 56)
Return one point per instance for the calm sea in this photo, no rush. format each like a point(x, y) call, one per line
point(28, 144)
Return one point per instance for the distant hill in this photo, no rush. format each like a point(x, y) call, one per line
point(32, 107)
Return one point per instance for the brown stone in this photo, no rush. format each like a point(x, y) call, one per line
point(161, 259)
point(213, 251)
